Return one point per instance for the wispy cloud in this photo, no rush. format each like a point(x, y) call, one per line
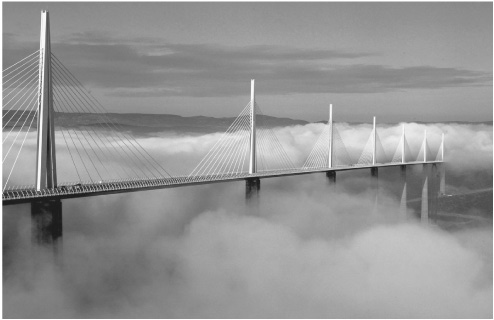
point(148, 67)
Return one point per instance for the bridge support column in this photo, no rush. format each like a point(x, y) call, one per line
point(331, 175)
point(424, 208)
point(403, 200)
point(442, 178)
point(252, 187)
point(434, 186)
point(375, 185)
point(46, 217)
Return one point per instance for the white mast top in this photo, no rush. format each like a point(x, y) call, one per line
point(252, 161)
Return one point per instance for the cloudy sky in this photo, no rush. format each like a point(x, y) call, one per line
point(398, 61)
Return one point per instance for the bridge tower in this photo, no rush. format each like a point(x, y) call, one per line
point(253, 185)
point(331, 175)
point(46, 173)
point(46, 214)
point(374, 171)
point(403, 176)
point(442, 169)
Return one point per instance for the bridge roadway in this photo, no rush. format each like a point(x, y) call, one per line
point(78, 190)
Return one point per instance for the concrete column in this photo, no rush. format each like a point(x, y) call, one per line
point(46, 217)
point(331, 175)
point(403, 200)
point(252, 188)
point(375, 185)
point(442, 179)
point(374, 173)
point(424, 209)
point(433, 192)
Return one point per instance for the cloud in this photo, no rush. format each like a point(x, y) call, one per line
point(144, 67)
point(309, 251)
point(224, 263)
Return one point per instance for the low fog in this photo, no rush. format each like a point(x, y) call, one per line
point(309, 250)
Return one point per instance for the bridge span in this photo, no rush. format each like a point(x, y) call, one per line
point(39, 85)
point(88, 189)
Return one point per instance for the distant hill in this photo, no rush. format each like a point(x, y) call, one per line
point(142, 123)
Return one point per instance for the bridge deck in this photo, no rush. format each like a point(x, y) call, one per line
point(66, 191)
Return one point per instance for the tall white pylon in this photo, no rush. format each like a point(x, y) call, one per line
point(374, 141)
point(330, 123)
point(425, 145)
point(252, 162)
point(46, 173)
point(403, 158)
point(442, 146)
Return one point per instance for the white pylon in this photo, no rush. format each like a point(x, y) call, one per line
point(330, 123)
point(442, 146)
point(403, 158)
point(425, 145)
point(252, 162)
point(46, 173)
point(374, 141)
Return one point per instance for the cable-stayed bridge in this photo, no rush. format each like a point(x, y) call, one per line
point(41, 94)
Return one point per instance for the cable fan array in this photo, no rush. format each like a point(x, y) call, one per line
point(100, 149)
point(319, 156)
point(19, 110)
point(230, 154)
point(366, 156)
point(96, 147)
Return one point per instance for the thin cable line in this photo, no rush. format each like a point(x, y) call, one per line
point(18, 62)
point(31, 82)
point(27, 75)
point(18, 153)
point(31, 101)
point(29, 61)
point(15, 139)
point(73, 99)
point(70, 153)
point(95, 153)
point(98, 105)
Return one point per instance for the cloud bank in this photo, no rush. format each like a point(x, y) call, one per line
point(308, 251)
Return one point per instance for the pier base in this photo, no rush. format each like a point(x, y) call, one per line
point(442, 178)
point(424, 208)
point(46, 218)
point(331, 175)
point(403, 199)
point(375, 186)
point(252, 187)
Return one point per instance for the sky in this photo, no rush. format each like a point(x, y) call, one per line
point(397, 61)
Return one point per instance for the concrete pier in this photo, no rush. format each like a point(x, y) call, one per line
point(424, 208)
point(375, 185)
point(404, 196)
point(331, 175)
point(442, 178)
point(46, 217)
point(252, 187)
